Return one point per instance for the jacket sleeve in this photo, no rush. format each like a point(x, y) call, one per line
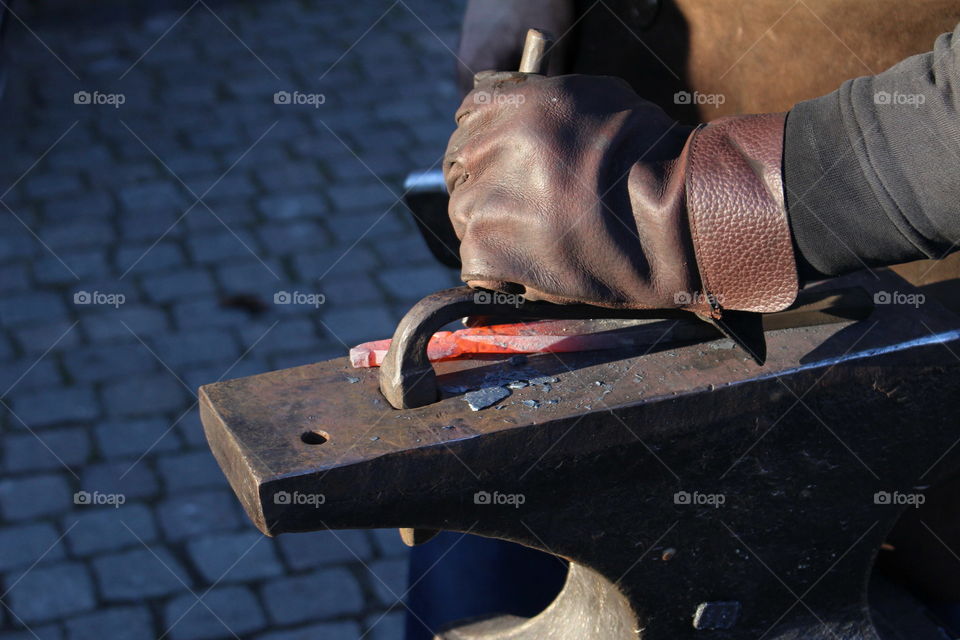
point(872, 170)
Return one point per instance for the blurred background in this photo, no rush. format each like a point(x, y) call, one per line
point(169, 169)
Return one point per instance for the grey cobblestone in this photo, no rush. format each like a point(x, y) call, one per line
point(188, 516)
point(123, 323)
point(28, 374)
point(287, 335)
point(101, 529)
point(359, 324)
point(335, 262)
point(299, 198)
point(96, 364)
point(388, 543)
point(193, 470)
point(389, 579)
point(56, 405)
point(36, 632)
point(14, 278)
point(228, 209)
point(87, 206)
point(207, 312)
point(234, 557)
point(289, 177)
point(224, 612)
point(81, 158)
point(17, 244)
point(359, 226)
point(91, 263)
point(144, 258)
point(6, 350)
point(30, 307)
point(282, 237)
point(47, 593)
point(78, 234)
point(287, 360)
point(190, 428)
point(152, 196)
point(48, 449)
point(178, 284)
point(388, 627)
point(404, 250)
point(249, 366)
point(309, 550)
point(221, 137)
point(329, 631)
point(33, 496)
point(409, 284)
point(163, 223)
point(250, 276)
point(125, 438)
point(38, 338)
point(120, 623)
point(285, 206)
point(145, 394)
point(52, 185)
point(216, 247)
point(140, 573)
point(26, 544)
point(197, 346)
point(322, 594)
point(234, 187)
point(130, 478)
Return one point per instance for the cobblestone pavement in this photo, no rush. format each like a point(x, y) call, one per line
point(170, 183)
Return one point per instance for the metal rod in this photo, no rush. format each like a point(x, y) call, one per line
point(536, 52)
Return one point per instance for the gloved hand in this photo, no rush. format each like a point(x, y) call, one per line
point(574, 189)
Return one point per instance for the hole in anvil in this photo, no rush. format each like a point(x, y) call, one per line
point(315, 437)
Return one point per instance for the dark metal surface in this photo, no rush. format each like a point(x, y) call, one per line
point(425, 195)
point(601, 456)
point(407, 378)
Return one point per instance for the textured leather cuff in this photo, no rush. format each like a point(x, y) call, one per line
point(738, 221)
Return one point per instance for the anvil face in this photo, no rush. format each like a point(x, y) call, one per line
point(599, 445)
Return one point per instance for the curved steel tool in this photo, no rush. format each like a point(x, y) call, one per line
point(408, 380)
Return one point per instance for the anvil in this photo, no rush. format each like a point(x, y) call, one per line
point(689, 488)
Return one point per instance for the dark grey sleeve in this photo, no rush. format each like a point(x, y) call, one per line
point(872, 170)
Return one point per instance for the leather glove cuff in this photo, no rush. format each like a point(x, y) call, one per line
point(737, 217)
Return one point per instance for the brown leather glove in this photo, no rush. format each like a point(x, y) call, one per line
point(574, 189)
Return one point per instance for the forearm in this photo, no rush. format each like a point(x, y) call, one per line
point(870, 170)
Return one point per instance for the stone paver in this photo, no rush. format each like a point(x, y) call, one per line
point(333, 592)
point(46, 593)
point(146, 247)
